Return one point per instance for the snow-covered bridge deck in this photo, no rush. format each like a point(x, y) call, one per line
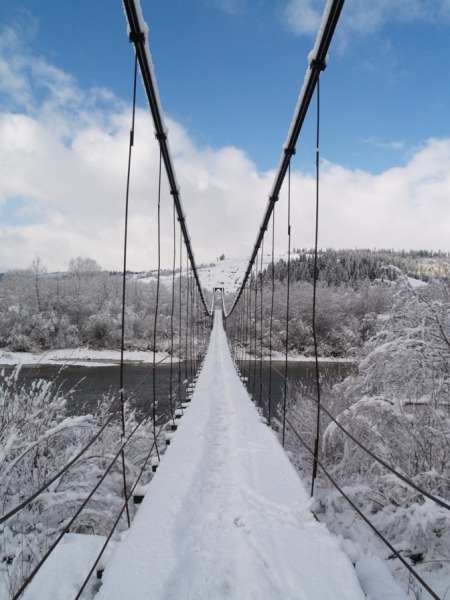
point(226, 515)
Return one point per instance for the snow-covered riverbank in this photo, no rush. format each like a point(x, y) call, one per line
point(86, 357)
point(83, 357)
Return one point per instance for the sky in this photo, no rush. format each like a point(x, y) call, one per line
point(229, 73)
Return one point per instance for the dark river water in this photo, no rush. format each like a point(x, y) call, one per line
point(260, 379)
point(85, 385)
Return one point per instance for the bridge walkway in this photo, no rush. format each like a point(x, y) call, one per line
point(226, 515)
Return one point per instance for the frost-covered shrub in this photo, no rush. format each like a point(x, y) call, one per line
point(341, 322)
point(39, 311)
point(101, 330)
point(398, 407)
point(37, 439)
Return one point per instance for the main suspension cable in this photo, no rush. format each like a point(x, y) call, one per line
point(136, 22)
point(317, 64)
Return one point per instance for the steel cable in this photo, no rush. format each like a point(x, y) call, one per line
point(314, 303)
point(155, 320)
point(364, 518)
point(77, 513)
point(317, 64)
point(116, 522)
point(261, 323)
point(379, 460)
point(124, 274)
point(135, 18)
point(60, 473)
point(272, 299)
point(172, 313)
point(288, 289)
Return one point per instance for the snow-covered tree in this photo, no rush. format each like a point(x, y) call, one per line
point(398, 406)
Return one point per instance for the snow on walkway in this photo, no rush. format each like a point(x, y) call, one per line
point(226, 515)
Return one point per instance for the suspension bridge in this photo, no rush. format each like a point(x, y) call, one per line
point(225, 514)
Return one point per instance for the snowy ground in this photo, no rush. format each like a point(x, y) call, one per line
point(226, 515)
point(65, 570)
point(227, 273)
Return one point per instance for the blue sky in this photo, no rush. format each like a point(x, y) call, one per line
point(229, 73)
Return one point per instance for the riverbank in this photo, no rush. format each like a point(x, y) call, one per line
point(86, 357)
point(81, 357)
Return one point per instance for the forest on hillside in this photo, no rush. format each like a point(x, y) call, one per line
point(83, 306)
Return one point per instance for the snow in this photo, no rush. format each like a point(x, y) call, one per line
point(416, 283)
point(81, 357)
point(229, 272)
point(85, 357)
point(66, 568)
point(377, 580)
point(226, 515)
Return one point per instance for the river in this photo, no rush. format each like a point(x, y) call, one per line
point(85, 385)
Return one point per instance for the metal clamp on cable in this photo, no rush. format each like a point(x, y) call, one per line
point(137, 37)
point(289, 151)
point(317, 65)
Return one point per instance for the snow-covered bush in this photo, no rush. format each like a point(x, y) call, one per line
point(345, 317)
point(398, 407)
point(39, 311)
point(37, 439)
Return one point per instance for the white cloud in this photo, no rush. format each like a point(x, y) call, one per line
point(303, 16)
point(404, 207)
point(362, 17)
point(64, 170)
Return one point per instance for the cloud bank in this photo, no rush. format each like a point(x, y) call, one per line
point(63, 157)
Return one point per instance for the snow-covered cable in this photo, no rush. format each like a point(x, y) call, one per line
point(317, 63)
point(138, 33)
